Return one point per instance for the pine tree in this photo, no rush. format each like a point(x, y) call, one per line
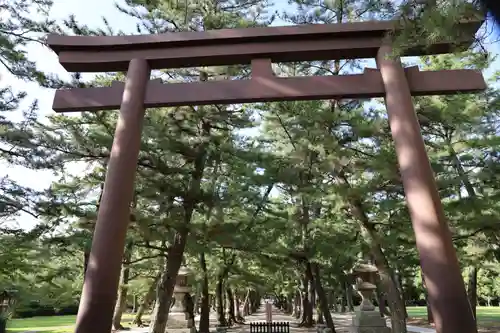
point(18, 29)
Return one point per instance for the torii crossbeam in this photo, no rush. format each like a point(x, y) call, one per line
point(259, 47)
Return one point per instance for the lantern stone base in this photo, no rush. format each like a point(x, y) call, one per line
point(178, 320)
point(369, 322)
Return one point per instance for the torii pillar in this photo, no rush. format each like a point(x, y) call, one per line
point(102, 276)
point(438, 259)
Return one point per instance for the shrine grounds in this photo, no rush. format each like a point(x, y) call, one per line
point(487, 316)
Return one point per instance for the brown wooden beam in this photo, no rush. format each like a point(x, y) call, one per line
point(220, 55)
point(60, 43)
point(264, 88)
point(235, 46)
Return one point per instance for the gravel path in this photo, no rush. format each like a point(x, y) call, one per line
point(342, 323)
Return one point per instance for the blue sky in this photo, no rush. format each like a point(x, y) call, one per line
point(89, 12)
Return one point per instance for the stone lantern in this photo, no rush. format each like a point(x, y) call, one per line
point(365, 284)
point(179, 314)
point(7, 298)
point(367, 319)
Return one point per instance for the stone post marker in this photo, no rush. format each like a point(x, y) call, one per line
point(269, 312)
point(366, 318)
point(179, 314)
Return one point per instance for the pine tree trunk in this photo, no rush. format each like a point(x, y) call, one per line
point(343, 302)
point(304, 300)
point(343, 307)
point(311, 293)
point(221, 318)
point(296, 305)
point(323, 301)
point(307, 302)
point(135, 303)
point(176, 249)
point(348, 296)
point(381, 299)
point(225, 307)
point(330, 297)
point(254, 301)
point(213, 302)
point(389, 285)
point(167, 282)
point(121, 300)
point(399, 284)
point(319, 315)
point(237, 309)
point(396, 305)
point(472, 289)
point(472, 285)
point(204, 325)
point(230, 306)
point(300, 304)
point(196, 300)
point(289, 304)
point(246, 304)
point(148, 298)
point(430, 317)
point(398, 318)
point(312, 297)
point(189, 310)
point(332, 302)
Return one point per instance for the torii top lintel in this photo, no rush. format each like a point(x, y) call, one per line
point(235, 46)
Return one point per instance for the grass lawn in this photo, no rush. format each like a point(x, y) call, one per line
point(484, 313)
point(53, 324)
point(488, 318)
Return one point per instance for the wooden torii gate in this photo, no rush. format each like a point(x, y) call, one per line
point(260, 47)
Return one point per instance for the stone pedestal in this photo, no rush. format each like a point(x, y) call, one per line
point(320, 328)
point(367, 319)
point(369, 322)
point(179, 321)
